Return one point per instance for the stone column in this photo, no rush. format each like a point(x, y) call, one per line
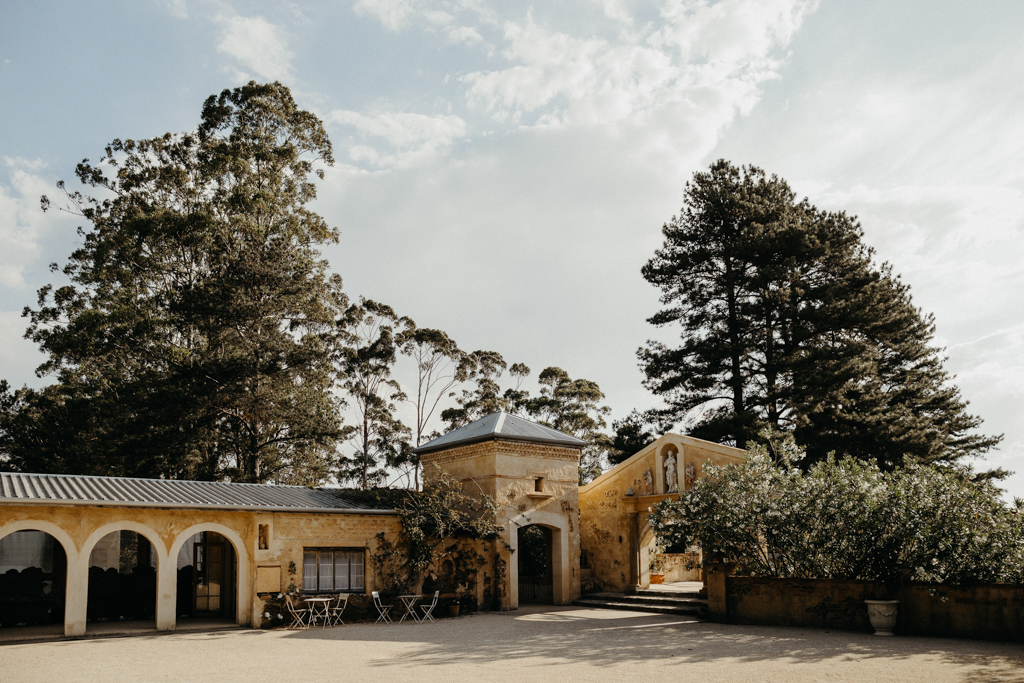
point(634, 551)
point(77, 595)
point(166, 592)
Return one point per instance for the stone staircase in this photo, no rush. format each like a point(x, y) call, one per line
point(660, 600)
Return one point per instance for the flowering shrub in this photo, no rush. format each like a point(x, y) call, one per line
point(847, 519)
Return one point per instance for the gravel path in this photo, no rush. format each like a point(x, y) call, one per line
point(552, 644)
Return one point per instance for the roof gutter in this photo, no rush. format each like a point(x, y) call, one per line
point(192, 506)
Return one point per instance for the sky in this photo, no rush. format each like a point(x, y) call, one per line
point(503, 169)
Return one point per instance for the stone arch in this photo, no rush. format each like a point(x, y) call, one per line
point(561, 567)
point(646, 536)
point(164, 610)
point(242, 585)
point(48, 527)
point(70, 599)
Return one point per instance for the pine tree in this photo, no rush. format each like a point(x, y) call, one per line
point(787, 323)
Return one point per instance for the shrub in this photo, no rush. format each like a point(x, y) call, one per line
point(847, 519)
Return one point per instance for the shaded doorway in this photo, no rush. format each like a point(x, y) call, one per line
point(534, 562)
point(122, 580)
point(33, 581)
point(207, 578)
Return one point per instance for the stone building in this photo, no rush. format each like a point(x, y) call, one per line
point(77, 550)
point(531, 471)
point(616, 539)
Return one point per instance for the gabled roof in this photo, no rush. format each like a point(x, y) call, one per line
point(501, 426)
point(67, 489)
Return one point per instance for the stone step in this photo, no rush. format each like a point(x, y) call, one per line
point(699, 594)
point(659, 598)
point(695, 610)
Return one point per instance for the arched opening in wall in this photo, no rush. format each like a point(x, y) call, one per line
point(33, 582)
point(536, 582)
point(207, 576)
point(122, 581)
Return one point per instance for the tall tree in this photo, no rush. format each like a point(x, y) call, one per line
point(482, 370)
point(632, 434)
point(786, 322)
point(195, 334)
point(439, 368)
point(573, 406)
point(370, 333)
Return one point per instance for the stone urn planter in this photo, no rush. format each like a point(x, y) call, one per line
point(882, 614)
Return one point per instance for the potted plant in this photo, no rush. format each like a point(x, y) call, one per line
point(882, 614)
point(453, 607)
point(656, 566)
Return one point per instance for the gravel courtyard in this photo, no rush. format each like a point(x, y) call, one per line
point(554, 644)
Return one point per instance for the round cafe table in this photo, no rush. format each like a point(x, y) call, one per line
point(318, 609)
point(410, 606)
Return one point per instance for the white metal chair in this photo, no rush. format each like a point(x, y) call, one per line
point(300, 615)
point(334, 613)
point(382, 609)
point(428, 609)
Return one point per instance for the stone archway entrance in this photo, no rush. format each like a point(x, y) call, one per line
point(33, 579)
point(207, 577)
point(534, 559)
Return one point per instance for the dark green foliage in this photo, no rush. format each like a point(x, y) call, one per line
point(572, 406)
point(632, 434)
point(194, 339)
point(786, 322)
point(440, 524)
point(846, 519)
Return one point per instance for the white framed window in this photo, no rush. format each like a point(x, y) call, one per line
point(332, 570)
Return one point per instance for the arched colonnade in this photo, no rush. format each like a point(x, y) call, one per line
point(78, 556)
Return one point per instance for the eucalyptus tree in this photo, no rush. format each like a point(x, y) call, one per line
point(193, 338)
point(785, 321)
point(439, 368)
point(369, 334)
point(573, 406)
point(481, 371)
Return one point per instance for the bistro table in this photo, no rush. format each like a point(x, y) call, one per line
point(410, 606)
point(318, 609)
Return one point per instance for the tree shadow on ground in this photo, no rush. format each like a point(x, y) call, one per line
point(606, 638)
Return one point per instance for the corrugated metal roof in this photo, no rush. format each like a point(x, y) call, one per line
point(501, 426)
point(67, 489)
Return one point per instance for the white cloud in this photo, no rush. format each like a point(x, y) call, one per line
point(393, 14)
point(257, 45)
point(415, 138)
point(701, 55)
point(178, 8)
point(22, 222)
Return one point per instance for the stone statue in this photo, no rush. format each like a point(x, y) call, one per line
point(630, 492)
point(671, 481)
point(690, 473)
point(648, 482)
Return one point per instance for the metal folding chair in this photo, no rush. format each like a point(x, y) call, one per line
point(300, 615)
point(428, 609)
point(382, 609)
point(334, 614)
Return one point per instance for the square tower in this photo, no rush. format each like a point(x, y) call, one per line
point(532, 473)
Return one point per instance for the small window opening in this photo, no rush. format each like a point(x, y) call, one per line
point(538, 484)
point(264, 531)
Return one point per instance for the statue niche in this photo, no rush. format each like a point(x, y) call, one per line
point(671, 480)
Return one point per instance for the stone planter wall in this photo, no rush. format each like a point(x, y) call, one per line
point(674, 567)
point(988, 612)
